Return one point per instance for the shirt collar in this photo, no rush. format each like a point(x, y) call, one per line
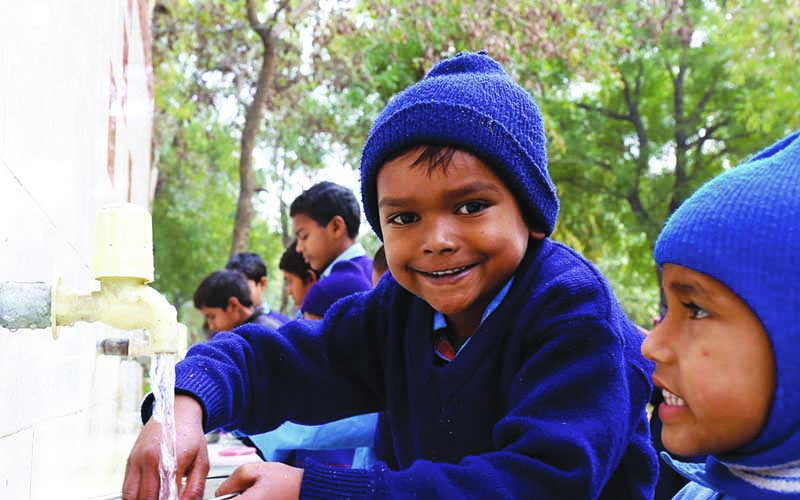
point(440, 322)
point(356, 250)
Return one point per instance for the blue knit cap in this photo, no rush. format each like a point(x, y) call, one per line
point(468, 102)
point(743, 229)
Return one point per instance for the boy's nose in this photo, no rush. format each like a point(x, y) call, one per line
point(439, 237)
point(655, 348)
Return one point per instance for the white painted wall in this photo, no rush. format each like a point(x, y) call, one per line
point(69, 70)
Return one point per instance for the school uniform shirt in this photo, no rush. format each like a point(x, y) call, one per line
point(353, 255)
point(546, 401)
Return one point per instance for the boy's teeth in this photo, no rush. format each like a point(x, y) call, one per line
point(449, 271)
point(671, 399)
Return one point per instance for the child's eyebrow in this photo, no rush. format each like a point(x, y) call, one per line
point(393, 202)
point(692, 288)
point(459, 192)
point(474, 187)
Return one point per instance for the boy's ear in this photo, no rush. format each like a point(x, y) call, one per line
point(262, 283)
point(233, 303)
point(338, 227)
point(311, 277)
point(536, 235)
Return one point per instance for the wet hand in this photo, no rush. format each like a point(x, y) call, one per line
point(272, 480)
point(142, 477)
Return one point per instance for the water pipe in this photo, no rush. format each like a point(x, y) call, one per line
point(123, 264)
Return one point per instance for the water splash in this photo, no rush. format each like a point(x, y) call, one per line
point(162, 382)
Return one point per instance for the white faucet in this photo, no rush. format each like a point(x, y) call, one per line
point(123, 264)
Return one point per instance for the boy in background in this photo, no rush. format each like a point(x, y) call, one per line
point(726, 352)
point(298, 276)
point(326, 218)
point(253, 267)
point(507, 366)
point(225, 301)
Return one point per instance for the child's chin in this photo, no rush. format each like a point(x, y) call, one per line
point(677, 445)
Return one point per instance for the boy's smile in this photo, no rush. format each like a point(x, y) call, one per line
point(714, 365)
point(453, 237)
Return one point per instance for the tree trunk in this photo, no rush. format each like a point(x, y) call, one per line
point(252, 124)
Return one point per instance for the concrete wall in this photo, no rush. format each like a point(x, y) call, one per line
point(75, 123)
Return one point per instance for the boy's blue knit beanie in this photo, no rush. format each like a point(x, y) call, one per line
point(468, 102)
point(743, 229)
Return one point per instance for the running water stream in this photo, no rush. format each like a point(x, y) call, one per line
point(162, 383)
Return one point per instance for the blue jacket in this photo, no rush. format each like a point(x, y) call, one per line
point(547, 400)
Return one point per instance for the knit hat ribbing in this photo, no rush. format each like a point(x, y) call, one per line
point(468, 102)
point(743, 229)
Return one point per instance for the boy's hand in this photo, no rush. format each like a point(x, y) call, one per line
point(272, 480)
point(142, 476)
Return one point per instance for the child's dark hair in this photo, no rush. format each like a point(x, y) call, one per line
point(438, 157)
point(248, 263)
point(292, 262)
point(379, 264)
point(219, 286)
point(324, 201)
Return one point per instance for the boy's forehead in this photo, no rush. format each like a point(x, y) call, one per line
point(481, 175)
point(207, 311)
point(303, 222)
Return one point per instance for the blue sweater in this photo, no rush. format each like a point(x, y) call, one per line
point(546, 401)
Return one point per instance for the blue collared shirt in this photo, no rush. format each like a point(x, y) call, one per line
point(351, 253)
point(440, 322)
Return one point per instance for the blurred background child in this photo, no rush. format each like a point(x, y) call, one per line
point(254, 268)
point(298, 276)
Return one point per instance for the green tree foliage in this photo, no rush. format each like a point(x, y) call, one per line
point(197, 151)
point(663, 103)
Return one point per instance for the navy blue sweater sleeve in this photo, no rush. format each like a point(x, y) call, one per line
point(310, 372)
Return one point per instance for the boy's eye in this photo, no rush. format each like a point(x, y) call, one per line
point(695, 311)
point(470, 207)
point(403, 219)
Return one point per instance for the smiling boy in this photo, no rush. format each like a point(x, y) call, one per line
point(454, 232)
point(507, 366)
point(726, 352)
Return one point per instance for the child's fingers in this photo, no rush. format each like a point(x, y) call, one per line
point(242, 478)
point(141, 473)
point(139, 485)
point(130, 487)
point(197, 470)
point(258, 481)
